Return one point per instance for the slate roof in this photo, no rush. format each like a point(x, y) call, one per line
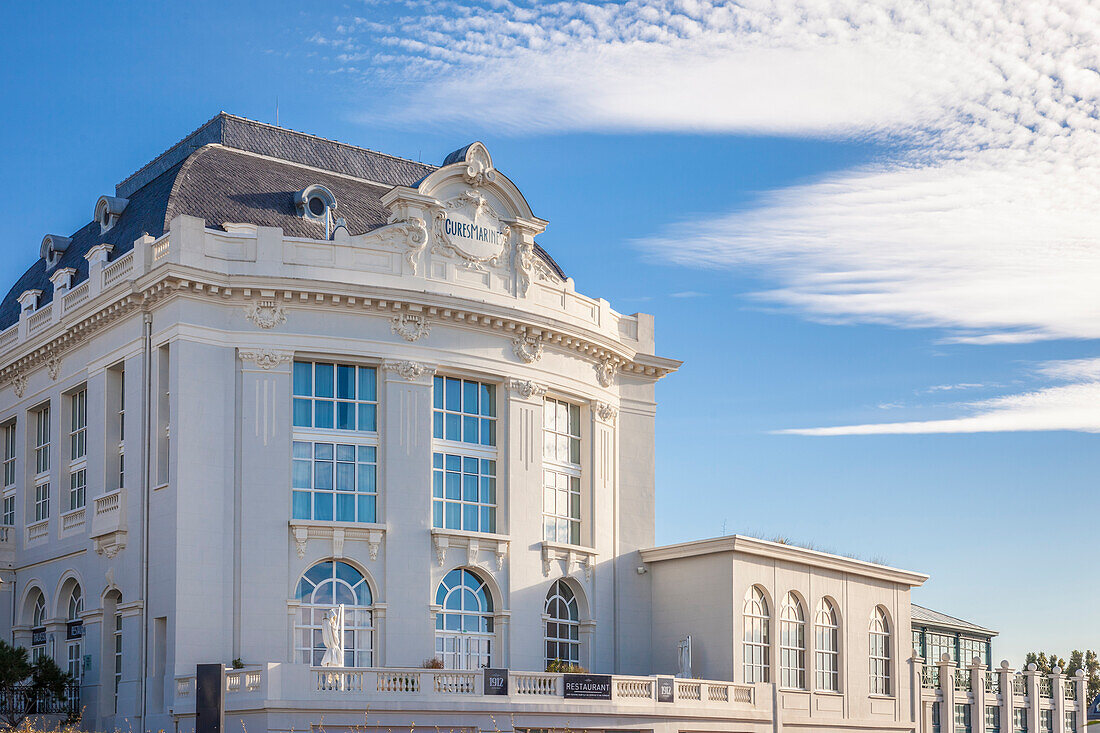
point(922, 616)
point(215, 173)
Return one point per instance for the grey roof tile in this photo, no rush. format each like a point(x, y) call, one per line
point(926, 616)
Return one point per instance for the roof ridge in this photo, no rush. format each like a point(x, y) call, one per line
point(327, 140)
point(168, 150)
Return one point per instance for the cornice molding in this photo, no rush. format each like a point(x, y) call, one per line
point(271, 302)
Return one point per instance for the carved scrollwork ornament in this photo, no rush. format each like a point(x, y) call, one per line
point(410, 370)
point(19, 384)
point(605, 371)
point(410, 233)
point(265, 359)
point(53, 366)
point(479, 168)
point(605, 411)
point(525, 263)
point(525, 388)
point(527, 348)
point(266, 313)
point(410, 326)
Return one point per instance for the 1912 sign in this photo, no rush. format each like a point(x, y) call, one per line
point(496, 681)
point(666, 689)
point(588, 686)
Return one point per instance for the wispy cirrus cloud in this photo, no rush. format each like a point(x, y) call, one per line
point(982, 222)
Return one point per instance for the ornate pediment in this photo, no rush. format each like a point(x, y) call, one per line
point(469, 226)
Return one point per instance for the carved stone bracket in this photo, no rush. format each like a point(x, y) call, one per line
point(525, 388)
point(527, 348)
point(443, 539)
point(302, 532)
point(265, 313)
point(410, 326)
point(605, 372)
point(410, 370)
point(19, 384)
point(53, 366)
point(109, 545)
point(605, 411)
point(571, 556)
point(266, 358)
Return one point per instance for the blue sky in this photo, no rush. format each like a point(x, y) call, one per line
point(869, 232)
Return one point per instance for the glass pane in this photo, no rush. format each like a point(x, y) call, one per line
point(303, 413)
point(367, 384)
point(368, 421)
point(322, 506)
point(323, 380)
point(301, 505)
point(469, 517)
point(303, 378)
point(488, 400)
point(367, 509)
point(470, 397)
point(345, 416)
point(345, 507)
point(322, 475)
point(366, 478)
point(488, 432)
point(437, 393)
point(301, 474)
point(345, 477)
point(454, 395)
point(322, 414)
point(469, 429)
point(345, 382)
point(437, 426)
point(454, 426)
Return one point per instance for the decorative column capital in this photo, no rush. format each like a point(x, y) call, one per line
point(412, 371)
point(526, 389)
point(605, 411)
point(265, 359)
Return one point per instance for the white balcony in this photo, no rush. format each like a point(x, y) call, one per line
point(109, 523)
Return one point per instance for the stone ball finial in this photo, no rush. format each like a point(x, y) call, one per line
point(1080, 673)
point(976, 661)
point(1004, 664)
point(1056, 670)
point(1032, 667)
point(945, 657)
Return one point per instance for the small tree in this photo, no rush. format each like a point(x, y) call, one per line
point(14, 669)
point(1087, 661)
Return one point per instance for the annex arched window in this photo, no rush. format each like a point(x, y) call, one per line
point(792, 644)
point(827, 646)
point(756, 642)
point(38, 626)
point(323, 587)
point(464, 621)
point(74, 634)
point(879, 634)
point(563, 627)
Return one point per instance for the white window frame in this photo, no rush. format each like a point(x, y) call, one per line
point(121, 413)
point(459, 648)
point(792, 643)
point(78, 449)
point(74, 647)
point(879, 657)
point(39, 616)
point(827, 647)
point(368, 438)
point(570, 624)
point(756, 636)
point(485, 415)
point(42, 440)
point(117, 638)
point(359, 627)
point(8, 473)
point(309, 456)
point(561, 471)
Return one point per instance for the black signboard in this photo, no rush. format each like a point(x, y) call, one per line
point(209, 711)
point(74, 630)
point(496, 681)
point(38, 637)
point(666, 689)
point(588, 686)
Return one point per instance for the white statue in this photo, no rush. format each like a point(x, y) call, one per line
point(332, 632)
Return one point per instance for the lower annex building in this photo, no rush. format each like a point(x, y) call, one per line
point(275, 374)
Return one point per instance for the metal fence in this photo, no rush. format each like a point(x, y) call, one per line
point(26, 700)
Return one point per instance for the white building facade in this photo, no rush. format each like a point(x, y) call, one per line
point(276, 374)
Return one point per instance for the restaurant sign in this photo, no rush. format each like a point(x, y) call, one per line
point(588, 686)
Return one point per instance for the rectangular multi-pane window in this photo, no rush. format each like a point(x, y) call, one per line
point(936, 645)
point(118, 656)
point(9, 455)
point(464, 492)
point(992, 719)
point(464, 411)
point(962, 718)
point(9, 511)
point(561, 454)
point(1019, 720)
point(41, 502)
point(78, 482)
point(970, 648)
point(78, 425)
point(42, 440)
point(1070, 722)
point(937, 725)
point(330, 396)
point(335, 481)
point(1046, 721)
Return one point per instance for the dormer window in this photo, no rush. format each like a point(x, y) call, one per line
point(107, 211)
point(315, 202)
point(52, 248)
point(28, 301)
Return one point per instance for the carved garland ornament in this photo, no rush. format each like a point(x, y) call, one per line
point(53, 366)
point(605, 371)
point(19, 384)
point(410, 327)
point(266, 313)
point(265, 359)
point(410, 370)
point(526, 388)
point(606, 412)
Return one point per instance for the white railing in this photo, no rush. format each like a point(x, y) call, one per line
point(9, 336)
point(38, 530)
point(5, 534)
point(397, 682)
point(107, 503)
point(455, 683)
point(535, 683)
point(637, 688)
point(118, 269)
point(689, 690)
point(72, 519)
point(160, 248)
point(39, 319)
point(243, 680)
point(76, 296)
point(185, 686)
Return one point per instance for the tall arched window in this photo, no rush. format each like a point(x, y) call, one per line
point(38, 627)
point(880, 652)
point(827, 647)
point(563, 626)
point(464, 623)
point(325, 586)
point(756, 646)
point(792, 644)
point(74, 634)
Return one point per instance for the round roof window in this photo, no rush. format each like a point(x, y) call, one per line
point(317, 206)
